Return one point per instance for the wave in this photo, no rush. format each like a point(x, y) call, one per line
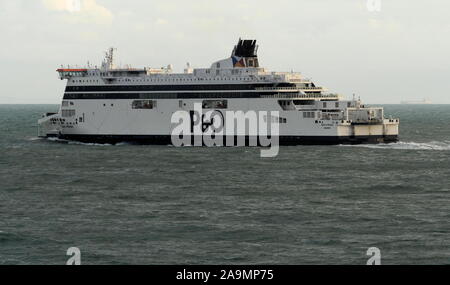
point(35, 139)
point(433, 145)
point(89, 144)
point(77, 142)
point(58, 140)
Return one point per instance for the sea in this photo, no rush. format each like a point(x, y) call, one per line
point(140, 204)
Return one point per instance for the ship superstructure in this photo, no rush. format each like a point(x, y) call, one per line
point(111, 104)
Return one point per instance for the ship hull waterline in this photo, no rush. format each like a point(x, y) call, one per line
point(282, 140)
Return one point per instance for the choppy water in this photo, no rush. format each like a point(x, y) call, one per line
point(129, 204)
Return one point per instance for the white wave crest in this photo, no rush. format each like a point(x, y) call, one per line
point(89, 144)
point(53, 139)
point(76, 142)
point(433, 145)
point(35, 139)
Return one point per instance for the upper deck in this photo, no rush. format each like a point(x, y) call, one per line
point(240, 71)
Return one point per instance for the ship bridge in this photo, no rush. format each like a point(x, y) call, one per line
point(66, 73)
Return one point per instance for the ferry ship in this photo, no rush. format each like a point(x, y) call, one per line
point(110, 104)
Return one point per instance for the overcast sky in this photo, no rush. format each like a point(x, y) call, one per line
point(386, 53)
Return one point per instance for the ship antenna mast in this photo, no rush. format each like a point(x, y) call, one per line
point(109, 59)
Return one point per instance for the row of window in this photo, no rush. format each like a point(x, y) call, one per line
point(285, 103)
point(143, 104)
point(274, 119)
point(206, 104)
point(187, 87)
point(336, 104)
point(71, 73)
point(86, 80)
point(67, 113)
point(98, 96)
point(215, 104)
point(309, 114)
point(169, 80)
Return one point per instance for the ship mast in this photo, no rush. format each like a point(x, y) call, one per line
point(108, 62)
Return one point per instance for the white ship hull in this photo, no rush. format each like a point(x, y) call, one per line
point(113, 121)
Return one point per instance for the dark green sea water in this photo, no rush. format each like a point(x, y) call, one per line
point(129, 204)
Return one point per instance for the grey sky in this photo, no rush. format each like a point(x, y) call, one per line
point(398, 53)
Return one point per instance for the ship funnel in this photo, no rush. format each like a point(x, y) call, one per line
point(245, 54)
point(245, 48)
